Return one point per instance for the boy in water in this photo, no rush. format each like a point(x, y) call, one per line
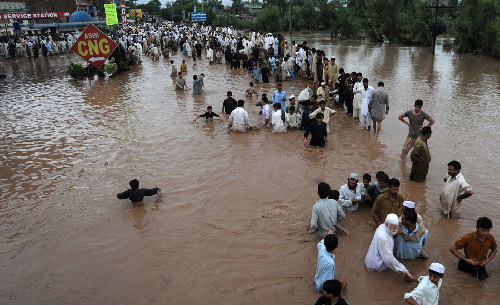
point(209, 115)
point(318, 131)
point(331, 294)
point(427, 291)
point(135, 194)
point(250, 90)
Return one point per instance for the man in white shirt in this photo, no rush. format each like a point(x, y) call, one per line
point(380, 254)
point(350, 193)
point(355, 109)
point(277, 121)
point(455, 189)
point(327, 112)
point(366, 93)
point(266, 112)
point(238, 120)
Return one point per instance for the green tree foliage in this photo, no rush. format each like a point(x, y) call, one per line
point(270, 19)
point(153, 7)
point(227, 19)
point(477, 27)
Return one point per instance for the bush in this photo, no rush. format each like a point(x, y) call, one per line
point(111, 68)
point(77, 71)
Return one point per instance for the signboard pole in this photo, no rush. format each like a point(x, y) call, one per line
point(434, 36)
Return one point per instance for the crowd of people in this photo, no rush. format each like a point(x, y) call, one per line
point(400, 232)
point(34, 46)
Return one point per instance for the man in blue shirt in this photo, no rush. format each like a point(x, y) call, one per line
point(325, 269)
point(279, 96)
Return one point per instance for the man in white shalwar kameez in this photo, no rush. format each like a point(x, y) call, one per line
point(380, 254)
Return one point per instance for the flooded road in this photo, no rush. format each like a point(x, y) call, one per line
point(232, 223)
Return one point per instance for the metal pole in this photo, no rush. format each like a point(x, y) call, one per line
point(290, 18)
point(434, 36)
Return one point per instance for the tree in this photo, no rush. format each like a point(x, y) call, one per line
point(477, 27)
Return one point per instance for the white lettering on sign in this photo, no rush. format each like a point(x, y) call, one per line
point(91, 35)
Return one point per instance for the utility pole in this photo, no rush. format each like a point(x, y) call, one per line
point(434, 35)
point(290, 28)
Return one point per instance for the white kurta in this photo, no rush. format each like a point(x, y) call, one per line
point(278, 124)
point(452, 188)
point(346, 196)
point(357, 95)
point(426, 293)
point(365, 99)
point(380, 254)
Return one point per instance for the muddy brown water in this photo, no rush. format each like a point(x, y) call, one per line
point(231, 226)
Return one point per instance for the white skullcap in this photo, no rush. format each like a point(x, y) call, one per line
point(292, 96)
point(353, 176)
point(437, 267)
point(392, 219)
point(323, 83)
point(409, 204)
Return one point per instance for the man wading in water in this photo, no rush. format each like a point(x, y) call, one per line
point(135, 194)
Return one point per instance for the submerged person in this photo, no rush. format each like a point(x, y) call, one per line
point(421, 156)
point(331, 294)
point(380, 255)
point(317, 129)
point(197, 84)
point(277, 119)
point(209, 115)
point(350, 193)
point(326, 212)
point(325, 268)
point(238, 120)
point(180, 82)
point(427, 291)
point(136, 194)
point(174, 69)
point(479, 247)
point(406, 248)
point(455, 190)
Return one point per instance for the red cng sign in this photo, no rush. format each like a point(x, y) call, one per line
point(94, 46)
point(124, 16)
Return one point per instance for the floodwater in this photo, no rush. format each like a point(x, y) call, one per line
point(232, 223)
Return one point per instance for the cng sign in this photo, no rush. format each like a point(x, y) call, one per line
point(94, 46)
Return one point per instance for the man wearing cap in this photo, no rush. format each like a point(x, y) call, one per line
point(380, 254)
point(387, 203)
point(410, 205)
point(323, 91)
point(405, 248)
point(350, 193)
point(427, 291)
point(292, 102)
point(327, 112)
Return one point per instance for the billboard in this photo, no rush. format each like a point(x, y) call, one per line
point(135, 13)
point(198, 17)
point(94, 46)
point(23, 16)
point(111, 16)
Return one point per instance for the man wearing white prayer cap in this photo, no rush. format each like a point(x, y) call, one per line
point(421, 228)
point(323, 92)
point(427, 291)
point(380, 254)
